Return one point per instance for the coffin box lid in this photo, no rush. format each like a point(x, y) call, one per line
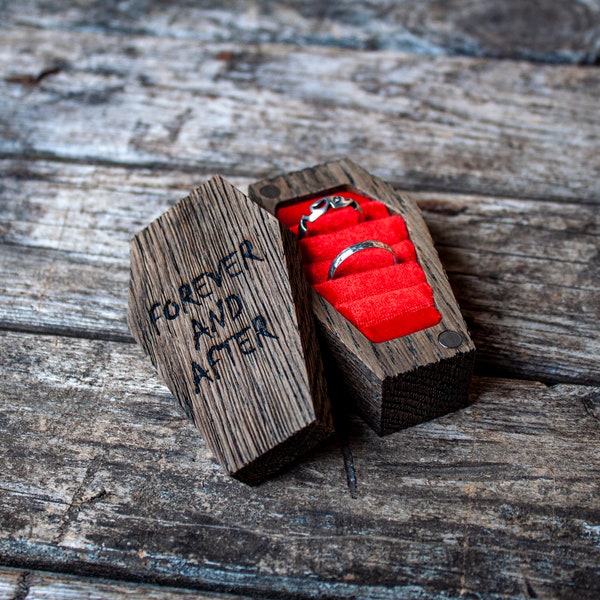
point(218, 300)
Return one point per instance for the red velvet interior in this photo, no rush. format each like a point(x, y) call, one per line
point(382, 300)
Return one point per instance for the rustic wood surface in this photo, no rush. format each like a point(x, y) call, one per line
point(38, 585)
point(549, 31)
point(116, 483)
point(526, 274)
point(449, 123)
point(112, 112)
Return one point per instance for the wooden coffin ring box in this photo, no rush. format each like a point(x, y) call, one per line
point(218, 300)
point(397, 342)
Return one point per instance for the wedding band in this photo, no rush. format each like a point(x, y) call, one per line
point(320, 207)
point(353, 249)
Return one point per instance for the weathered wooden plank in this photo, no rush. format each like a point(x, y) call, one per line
point(551, 31)
point(101, 474)
point(495, 127)
point(505, 255)
point(17, 584)
point(525, 273)
point(9, 583)
point(65, 231)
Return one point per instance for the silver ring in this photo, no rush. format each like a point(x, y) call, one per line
point(320, 207)
point(350, 250)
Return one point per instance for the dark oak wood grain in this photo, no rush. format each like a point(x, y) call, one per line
point(404, 381)
point(217, 299)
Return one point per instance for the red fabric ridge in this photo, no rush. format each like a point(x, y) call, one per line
point(393, 314)
point(341, 218)
point(371, 283)
point(400, 326)
point(317, 272)
point(382, 300)
point(327, 246)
